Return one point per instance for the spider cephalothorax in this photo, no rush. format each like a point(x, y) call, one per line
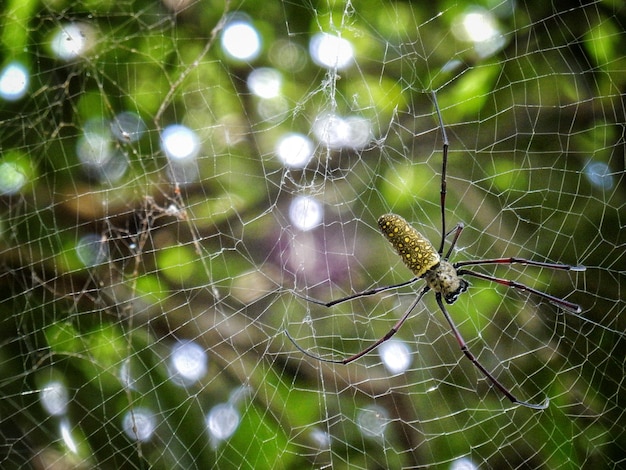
point(442, 277)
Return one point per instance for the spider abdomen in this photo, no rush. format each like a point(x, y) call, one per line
point(415, 250)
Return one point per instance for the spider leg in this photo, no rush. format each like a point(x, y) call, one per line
point(357, 295)
point(572, 307)
point(564, 267)
point(457, 233)
point(394, 329)
point(444, 167)
point(487, 374)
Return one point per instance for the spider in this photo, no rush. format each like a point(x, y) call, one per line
point(444, 278)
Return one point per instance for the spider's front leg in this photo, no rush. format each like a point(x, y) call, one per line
point(572, 307)
point(479, 366)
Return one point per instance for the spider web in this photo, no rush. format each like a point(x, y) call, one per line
point(149, 272)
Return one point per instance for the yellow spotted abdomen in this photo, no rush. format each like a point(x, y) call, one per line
point(415, 250)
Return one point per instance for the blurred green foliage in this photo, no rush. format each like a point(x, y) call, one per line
point(206, 260)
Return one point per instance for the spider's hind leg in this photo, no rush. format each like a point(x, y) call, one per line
point(357, 295)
